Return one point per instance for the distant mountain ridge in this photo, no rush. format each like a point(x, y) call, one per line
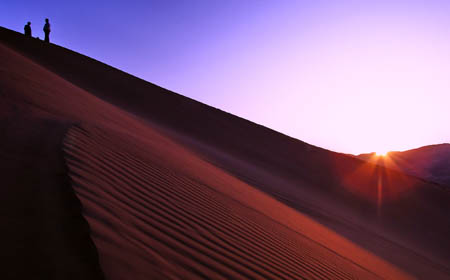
point(431, 163)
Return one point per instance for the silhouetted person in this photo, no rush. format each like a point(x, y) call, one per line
point(47, 31)
point(27, 29)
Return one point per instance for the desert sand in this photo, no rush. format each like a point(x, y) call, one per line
point(107, 176)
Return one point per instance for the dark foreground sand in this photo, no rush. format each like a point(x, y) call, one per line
point(107, 176)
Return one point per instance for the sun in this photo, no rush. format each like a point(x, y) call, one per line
point(382, 153)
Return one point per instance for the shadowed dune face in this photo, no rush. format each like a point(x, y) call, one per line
point(42, 234)
point(172, 188)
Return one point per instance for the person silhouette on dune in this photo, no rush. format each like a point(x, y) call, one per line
point(27, 29)
point(47, 31)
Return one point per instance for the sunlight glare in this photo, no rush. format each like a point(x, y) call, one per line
point(382, 153)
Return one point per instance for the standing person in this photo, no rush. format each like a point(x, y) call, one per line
point(47, 31)
point(27, 29)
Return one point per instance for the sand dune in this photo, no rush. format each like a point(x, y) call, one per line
point(174, 189)
point(184, 225)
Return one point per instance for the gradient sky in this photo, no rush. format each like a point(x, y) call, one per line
point(349, 76)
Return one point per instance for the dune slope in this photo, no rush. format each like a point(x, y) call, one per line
point(172, 188)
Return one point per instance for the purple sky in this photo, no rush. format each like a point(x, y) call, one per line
point(350, 76)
